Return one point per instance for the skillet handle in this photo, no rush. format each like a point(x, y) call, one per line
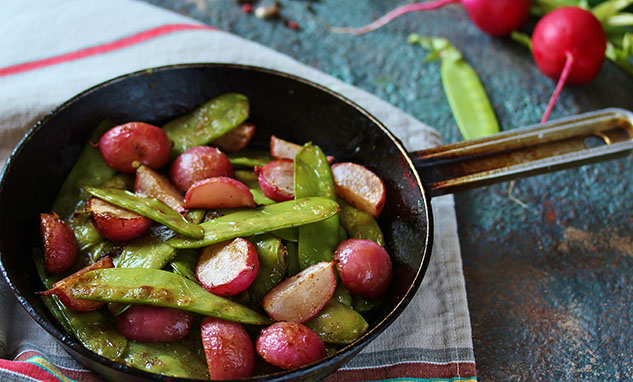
point(559, 144)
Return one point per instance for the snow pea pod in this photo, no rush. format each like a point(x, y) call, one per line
point(160, 288)
point(148, 207)
point(273, 264)
point(337, 323)
point(89, 169)
point(167, 358)
point(260, 220)
point(359, 224)
point(250, 180)
point(313, 177)
point(209, 121)
point(250, 158)
point(185, 263)
point(95, 330)
point(293, 258)
point(149, 251)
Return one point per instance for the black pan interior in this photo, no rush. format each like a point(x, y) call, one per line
point(290, 108)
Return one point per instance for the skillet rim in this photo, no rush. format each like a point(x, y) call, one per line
point(346, 352)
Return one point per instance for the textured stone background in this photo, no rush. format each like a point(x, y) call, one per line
point(549, 286)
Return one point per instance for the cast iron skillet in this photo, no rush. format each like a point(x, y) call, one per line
point(299, 111)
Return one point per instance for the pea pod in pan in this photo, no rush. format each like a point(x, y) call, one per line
point(207, 122)
point(149, 251)
point(160, 288)
point(359, 224)
point(260, 220)
point(149, 207)
point(273, 264)
point(250, 158)
point(167, 358)
point(185, 263)
point(313, 177)
point(338, 324)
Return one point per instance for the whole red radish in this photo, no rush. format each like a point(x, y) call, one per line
point(154, 323)
point(116, 223)
point(60, 244)
point(152, 184)
point(568, 45)
point(63, 288)
point(132, 142)
point(364, 267)
point(276, 179)
point(289, 345)
point(360, 187)
point(302, 296)
point(228, 268)
point(219, 192)
point(228, 349)
point(495, 17)
point(198, 163)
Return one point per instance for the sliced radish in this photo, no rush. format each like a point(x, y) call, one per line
point(228, 349)
point(235, 139)
point(360, 187)
point(228, 268)
point(276, 179)
point(282, 149)
point(301, 297)
point(219, 192)
point(62, 289)
point(289, 345)
point(132, 142)
point(115, 223)
point(154, 323)
point(198, 163)
point(364, 267)
point(152, 184)
point(60, 244)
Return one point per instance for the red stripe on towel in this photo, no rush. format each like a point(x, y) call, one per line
point(102, 48)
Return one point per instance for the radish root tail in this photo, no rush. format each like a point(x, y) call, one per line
point(559, 86)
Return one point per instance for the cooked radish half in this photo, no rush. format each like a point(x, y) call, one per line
point(152, 184)
point(282, 149)
point(198, 163)
point(302, 296)
point(60, 245)
point(228, 349)
point(62, 289)
point(132, 142)
point(228, 268)
point(364, 267)
point(154, 323)
point(289, 345)
point(276, 179)
point(235, 139)
point(219, 192)
point(115, 223)
point(360, 187)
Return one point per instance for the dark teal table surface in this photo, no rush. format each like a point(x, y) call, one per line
point(550, 284)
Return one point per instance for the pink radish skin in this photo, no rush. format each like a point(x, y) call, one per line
point(115, 223)
point(198, 163)
point(301, 297)
point(281, 149)
point(63, 288)
point(495, 17)
point(219, 192)
point(132, 142)
point(228, 268)
point(228, 348)
point(364, 267)
point(289, 345)
point(60, 245)
point(152, 184)
point(276, 179)
point(568, 45)
point(154, 323)
point(360, 187)
point(236, 139)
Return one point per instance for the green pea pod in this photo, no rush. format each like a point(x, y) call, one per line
point(250, 158)
point(362, 305)
point(293, 258)
point(337, 323)
point(148, 251)
point(260, 220)
point(89, 169)
point(195, 216)
point(209, 121)
point(167, 358)
point(185, 263)
point(341, 294)
point(359, 224)
point(288, 234)
point(273, 264)
point(148, 207)
point(465, 93)
point(260, 198)
point(250, 180)
point(160, 288)
point(94, 330)
point(85, 232)
point(313, 177)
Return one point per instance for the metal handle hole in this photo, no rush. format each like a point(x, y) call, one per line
point(597, 140)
